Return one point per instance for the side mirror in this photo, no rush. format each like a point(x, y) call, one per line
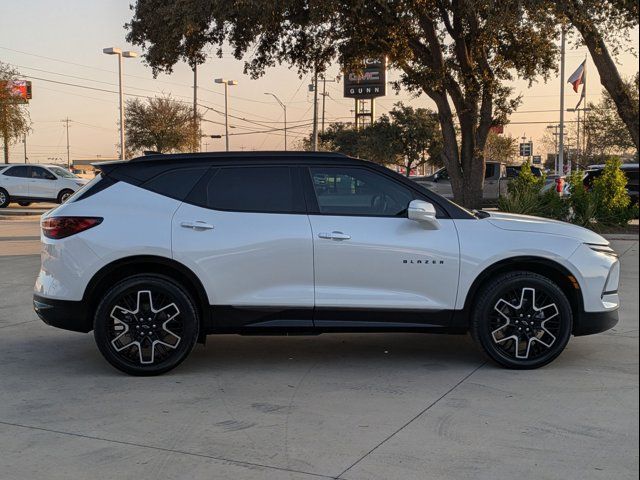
point(435, 177)
point(423, 212)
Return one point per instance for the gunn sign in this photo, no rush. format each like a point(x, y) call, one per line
point(371, 82)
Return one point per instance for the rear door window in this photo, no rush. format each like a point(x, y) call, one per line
point(268, 189)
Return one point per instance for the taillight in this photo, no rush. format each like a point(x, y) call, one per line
point(61, 227)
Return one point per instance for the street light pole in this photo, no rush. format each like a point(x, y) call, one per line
point(561, 141)
point(284, 108)
point(226, 106)
point(120, 54)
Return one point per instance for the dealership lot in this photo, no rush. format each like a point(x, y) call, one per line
point(349, 406)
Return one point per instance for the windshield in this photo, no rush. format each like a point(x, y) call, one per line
point(61, 172)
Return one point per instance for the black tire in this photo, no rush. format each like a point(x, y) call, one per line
point(64, 195)
point(507, 310)
point(151, 344)
point(24, 204)
point(5, 199)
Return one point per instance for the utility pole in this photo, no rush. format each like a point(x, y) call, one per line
point(66, 121)
point(561, 141)
point(324, 97)
point(314, 137)
point(196, 133)
point(24, 142)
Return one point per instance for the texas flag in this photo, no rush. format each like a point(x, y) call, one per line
point(578, 77)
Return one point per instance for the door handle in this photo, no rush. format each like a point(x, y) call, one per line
point(335, 236)
point(198, 225)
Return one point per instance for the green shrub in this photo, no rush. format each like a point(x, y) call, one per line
point(606, 204)
point(523, 193)
point(611, 190)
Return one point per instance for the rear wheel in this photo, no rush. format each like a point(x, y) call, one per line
point(522, 320)
point(4, 198)
point(146, 325)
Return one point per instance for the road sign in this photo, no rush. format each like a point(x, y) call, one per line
point(370, 83)
point(526, 149)
point(537, 159)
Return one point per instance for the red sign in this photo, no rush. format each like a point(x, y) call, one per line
point(498, 129)
point(19, 90)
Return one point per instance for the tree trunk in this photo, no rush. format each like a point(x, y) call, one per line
point(609, 75)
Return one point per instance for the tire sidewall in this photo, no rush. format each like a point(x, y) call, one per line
point(63, 193)
point(7, 198)
point(490, 295)
point(185, 304)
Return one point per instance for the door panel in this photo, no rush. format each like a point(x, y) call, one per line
point(386, 263)
point(256, 267)
point(369, 256)
point(43, 184)
point(16, 180)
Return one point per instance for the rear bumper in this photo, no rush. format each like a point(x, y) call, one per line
point(65, 314)
point(589, 323)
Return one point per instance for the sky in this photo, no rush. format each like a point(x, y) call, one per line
point(58, 46)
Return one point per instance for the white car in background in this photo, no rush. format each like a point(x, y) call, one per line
point(25, 184)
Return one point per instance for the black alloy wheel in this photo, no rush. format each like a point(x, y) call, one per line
point(522, 320)
point(146, 325)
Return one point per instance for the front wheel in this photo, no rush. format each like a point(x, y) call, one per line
point(146, 325)
point(522, 320)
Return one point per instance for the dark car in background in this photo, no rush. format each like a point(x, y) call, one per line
point(629, 169)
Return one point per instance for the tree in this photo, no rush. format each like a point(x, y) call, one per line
point(600, 22)
point(160, 124)
point(458, 52)
point(14, 117)
point(500, 148)
point(606, 133)
point(408, 137)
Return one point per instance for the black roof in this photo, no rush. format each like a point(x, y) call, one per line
point(140, 169)
point(209, 156)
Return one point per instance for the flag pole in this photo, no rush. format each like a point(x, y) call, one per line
point(561, 142)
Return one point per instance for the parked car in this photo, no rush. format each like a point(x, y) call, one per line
point(629, 169)
point(495, 182)
point(25, 184)
point(160, 251)
point(513, 171)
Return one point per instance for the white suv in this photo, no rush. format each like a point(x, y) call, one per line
point(25, 184)
point(158, 252)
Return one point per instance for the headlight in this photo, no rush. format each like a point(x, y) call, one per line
point(607, 250)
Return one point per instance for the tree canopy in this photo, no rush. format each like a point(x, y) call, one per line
point(461, 53)
point(408, 137)
point(160, 124)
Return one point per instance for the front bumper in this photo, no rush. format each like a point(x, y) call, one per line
point(65, 314)
point(588, 323)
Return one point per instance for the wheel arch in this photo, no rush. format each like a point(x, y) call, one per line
point(141, 264)
point(550, 269)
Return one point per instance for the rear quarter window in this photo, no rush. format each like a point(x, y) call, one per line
point(176, 183)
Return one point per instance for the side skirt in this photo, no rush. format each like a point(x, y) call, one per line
point(309, 321)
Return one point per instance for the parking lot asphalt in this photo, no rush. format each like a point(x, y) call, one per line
point(351, 406)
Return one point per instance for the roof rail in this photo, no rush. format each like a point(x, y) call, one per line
point(237, 154)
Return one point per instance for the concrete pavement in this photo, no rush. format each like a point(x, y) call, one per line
point(375, 406)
